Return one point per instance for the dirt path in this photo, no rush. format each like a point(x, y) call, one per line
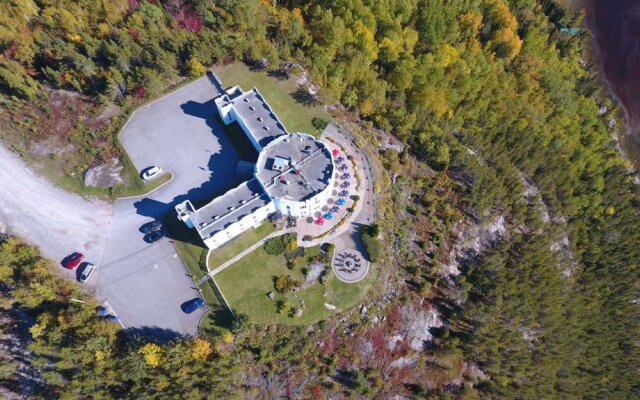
point(57, 221)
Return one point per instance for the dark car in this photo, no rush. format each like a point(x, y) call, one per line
point(192, 305)
point(151, 227)
point(73, 260)
point(154, 236)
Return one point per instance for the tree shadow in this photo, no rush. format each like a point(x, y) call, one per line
point(355, 236)
point(154, 333)
point(278, 73)
point(220, 316)
point(305, 98)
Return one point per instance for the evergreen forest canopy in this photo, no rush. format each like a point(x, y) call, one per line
point(488, 93)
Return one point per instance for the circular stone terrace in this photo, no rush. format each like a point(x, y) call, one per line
point(350, 266)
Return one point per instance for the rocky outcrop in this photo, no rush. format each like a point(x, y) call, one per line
point(105, 175)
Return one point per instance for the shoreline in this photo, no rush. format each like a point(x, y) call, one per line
point(626, 135)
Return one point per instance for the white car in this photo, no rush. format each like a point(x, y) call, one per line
point(86, 272)
point(151, 172)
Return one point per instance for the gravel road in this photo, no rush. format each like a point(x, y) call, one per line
point(57, 221)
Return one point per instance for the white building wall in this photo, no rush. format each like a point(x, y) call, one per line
point(252, 220)
point(225, 111)
point(307, 207)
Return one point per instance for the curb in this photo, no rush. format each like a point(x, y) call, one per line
point(179, 87)
point(147, 193)
point(194, 283)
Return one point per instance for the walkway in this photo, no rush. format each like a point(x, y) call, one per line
point(243, 253)
point(345, 236)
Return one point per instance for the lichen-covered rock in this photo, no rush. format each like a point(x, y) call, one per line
point(105, 175)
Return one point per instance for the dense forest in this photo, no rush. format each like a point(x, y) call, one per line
point(504, 120)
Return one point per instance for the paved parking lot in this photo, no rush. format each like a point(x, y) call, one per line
point(146, 283)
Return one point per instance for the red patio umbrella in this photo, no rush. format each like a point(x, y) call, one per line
point(335, 152)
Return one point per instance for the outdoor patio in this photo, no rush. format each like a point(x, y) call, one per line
point(342, 198)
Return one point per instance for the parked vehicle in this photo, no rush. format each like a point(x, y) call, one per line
point(192, 305)
point(86, 272)
point(73, 260)
point(154, 236)
point(151, 172)
point(151, 227)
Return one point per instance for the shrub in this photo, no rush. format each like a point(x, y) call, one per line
point(319, 123)
point(369, 235)
point(277, 245)
point(285, 283)
point(329, 248)
point(283, 306)
point(274, 246)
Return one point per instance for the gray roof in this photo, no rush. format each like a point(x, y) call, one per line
point(229, 208)
point(310, 169)
point(258, 117)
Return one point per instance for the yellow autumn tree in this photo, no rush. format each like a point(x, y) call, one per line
point(505, 40)
point(201, 349)
point(195, 67)
point(227, 337)
point(153, 354)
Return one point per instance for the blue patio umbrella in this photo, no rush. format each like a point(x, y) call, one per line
point(335, 209)
point(328, 215)
point(340, 202)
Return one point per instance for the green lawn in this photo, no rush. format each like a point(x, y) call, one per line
point(193, 254)
point(280, 93)
point(239, 244)
point(246, 284)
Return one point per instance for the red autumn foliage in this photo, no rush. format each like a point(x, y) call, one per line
point(394, 318)
point(377, 340)
point(316, 392)
point(8, 52)
point(135, 34)
point(329, 345)
point(133, 5)
point(184, 15)
point(139, 91)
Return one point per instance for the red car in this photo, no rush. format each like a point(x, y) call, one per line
point(73, 260)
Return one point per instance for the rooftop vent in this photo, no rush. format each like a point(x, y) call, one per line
point(246, 100)
point(232, 208)
point(252, 108)
point(243, 201)
point(266, 128)
point(260, 119)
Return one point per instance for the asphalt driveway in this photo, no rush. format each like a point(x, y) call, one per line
point(144, 283)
